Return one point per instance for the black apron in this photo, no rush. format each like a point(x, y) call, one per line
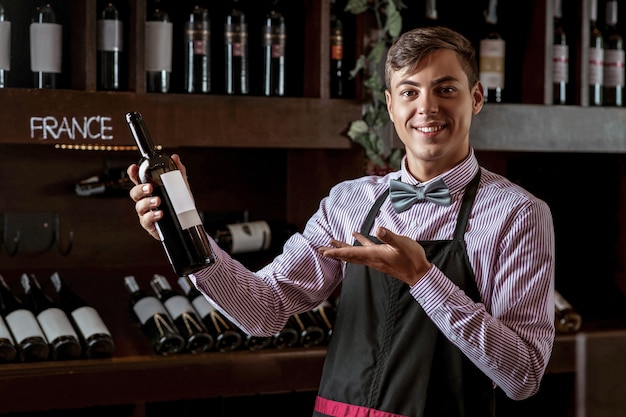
point(387, 357)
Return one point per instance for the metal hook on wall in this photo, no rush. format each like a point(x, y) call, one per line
point(32, 233)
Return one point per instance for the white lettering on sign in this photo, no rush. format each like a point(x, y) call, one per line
point(92, 127)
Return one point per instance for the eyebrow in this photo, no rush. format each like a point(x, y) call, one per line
point(437, 81)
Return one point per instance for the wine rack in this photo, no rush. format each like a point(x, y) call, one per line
point(296, 143)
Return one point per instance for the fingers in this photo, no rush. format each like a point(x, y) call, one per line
point(133, 173)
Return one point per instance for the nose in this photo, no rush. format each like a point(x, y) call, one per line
point(427, 103)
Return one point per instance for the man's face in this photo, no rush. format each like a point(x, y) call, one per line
point(432, 110)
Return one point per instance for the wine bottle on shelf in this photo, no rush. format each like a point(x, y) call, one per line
point(254, 343)
point(30, 341)
point(274, 41)
point(492, 50)
point(56, 325)
point(287, 337)
point(46, 40)
point(336, 52)
point(432, 16)
point(567, 319)
point(560, 57)
point(226, 336)
point(311, 334)
point(198, 51)
point(252, 236)
point(112, 183)
point(110, 46)
point(613, 86)
point(158, 49)
point(236, 49)
point(186, 320)
point(180, 229)
point(95, 336)
point(154, 320)
point(325, 314)
point(8, 351)
point(5, 47)
point(596, 57)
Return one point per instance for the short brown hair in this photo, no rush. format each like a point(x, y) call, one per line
point(412, 46)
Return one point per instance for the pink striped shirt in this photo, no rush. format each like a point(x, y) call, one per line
point(510, 245)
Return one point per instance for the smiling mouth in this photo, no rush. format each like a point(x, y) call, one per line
point(429, 129)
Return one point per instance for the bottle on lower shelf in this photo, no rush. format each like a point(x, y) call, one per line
point(226, 336)
point(154, 320)
point(30, 341)
point(56, 325)
point(184, 315)
point(567, 319)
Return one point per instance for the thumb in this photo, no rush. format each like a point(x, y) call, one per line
point(385, 235)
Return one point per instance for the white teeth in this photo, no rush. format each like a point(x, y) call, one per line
point(429, 129)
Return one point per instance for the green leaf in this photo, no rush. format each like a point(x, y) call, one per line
point(356, 6)
point(360, 64)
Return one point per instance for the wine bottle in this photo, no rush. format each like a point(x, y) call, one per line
point(95, 336)
point(336, 52)
point(154, 320)
point(186, 320)
point(596, 57)
point(325, 314)
point(113, 183)
point(46, 40)
point(180, 229)
point(5, 47)
point(8, 352)
point(236, 48)
point(30, 340)
point(567, 319)
point(560, 57)
point(158, 49)
point(198, 51)
point(252, 236)
point(492, 57)
point(311, 334)
point(110, 46)
point(613, 86)
point(226, 336)
point(274, 40)
point(56, 325)
point(287, 337)
point(254, 343)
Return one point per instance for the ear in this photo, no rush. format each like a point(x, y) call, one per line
point(478, 95)
point(389, 104)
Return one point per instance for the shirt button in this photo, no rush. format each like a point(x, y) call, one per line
point(420, 300)
point(452, 337)
point(413, 223)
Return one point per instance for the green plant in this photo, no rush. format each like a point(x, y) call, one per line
point(367, 130)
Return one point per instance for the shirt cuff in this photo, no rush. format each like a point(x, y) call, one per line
point(432, 290)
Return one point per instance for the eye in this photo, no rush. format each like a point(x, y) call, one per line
point(408, 93)
point(447, 90)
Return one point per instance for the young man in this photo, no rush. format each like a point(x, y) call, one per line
point(454, 294)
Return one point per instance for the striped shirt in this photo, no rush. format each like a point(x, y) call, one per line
point(510, 245)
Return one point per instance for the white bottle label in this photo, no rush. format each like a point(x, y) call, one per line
point(89, 322)
point(45, 47)
point(250, 236)
point(202, 306)
point(177, 305)
point(613, 67)
point(596, 66)
point(181, 199)
point(23, 324)
point(5, 45)
point(560, 63)
point(54, 323)
point(110, 35)
point(4, 331)
point(560, 302)
point(159, 46)
point(492, 53)
point(148, 307)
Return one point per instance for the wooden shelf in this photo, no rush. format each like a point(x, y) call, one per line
point(176, 120)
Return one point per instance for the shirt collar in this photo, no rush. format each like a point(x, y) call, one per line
point(456, 178)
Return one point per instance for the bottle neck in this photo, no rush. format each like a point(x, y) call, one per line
point(140, 134)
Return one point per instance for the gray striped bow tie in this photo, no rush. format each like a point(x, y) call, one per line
point(403, 195)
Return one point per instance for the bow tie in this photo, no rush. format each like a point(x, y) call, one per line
point(404, 195)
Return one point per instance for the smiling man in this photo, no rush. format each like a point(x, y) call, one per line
point(446, 269)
